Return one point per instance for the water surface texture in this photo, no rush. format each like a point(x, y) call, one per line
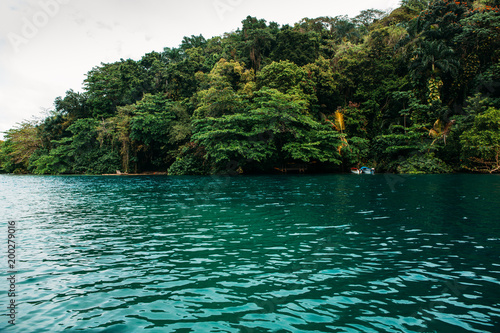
point(331, 253)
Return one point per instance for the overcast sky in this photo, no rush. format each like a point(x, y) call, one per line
point(47, 46)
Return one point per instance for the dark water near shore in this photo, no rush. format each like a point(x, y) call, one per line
point(339, 253)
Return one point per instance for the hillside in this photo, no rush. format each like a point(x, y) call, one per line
point(413, 91)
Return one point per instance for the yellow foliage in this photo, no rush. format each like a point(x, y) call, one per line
point(437, 130)
point(434, 89)
point(339, 121)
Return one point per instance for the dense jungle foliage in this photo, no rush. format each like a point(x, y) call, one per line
point(412, 91)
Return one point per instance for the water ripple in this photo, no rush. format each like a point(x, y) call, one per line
point(255, 254)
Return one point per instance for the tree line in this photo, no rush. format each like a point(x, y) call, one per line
point(416, 90)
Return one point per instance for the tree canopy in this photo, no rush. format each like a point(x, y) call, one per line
point(415, 90)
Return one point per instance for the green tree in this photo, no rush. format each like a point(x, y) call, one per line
point(227, 87)
point(74, 105)
point(344, 29)
point(21, 142)
point(181, 76)
point(441, 20)
point(432, 61)
point(116, 84)
point(257, 40)
point(366, 19)
point(325, 81)
point(55, 161)
point(81, 153)
point(158, 126)
point(288, 78)
point(6, 163)
point(408, 150)
point(193, 42)
point(479, 63)
point(296, 46)
point(154, 72)
point(119, 128)
point(276, 130)
point(415, 6)
point(481, 143)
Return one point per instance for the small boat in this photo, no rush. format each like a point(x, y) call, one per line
point(369, 171)
point(356, 171)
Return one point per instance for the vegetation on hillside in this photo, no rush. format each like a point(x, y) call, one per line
point(413, 91)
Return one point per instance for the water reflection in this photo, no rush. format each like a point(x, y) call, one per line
point(255, 254)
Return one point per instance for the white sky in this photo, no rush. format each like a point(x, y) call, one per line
point(47, 46)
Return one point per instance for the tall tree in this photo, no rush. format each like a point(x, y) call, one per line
point(257, 41)
point(296, 46)
point(481, 143)
point(116, 84)
point(20, 144)
point(432, 62)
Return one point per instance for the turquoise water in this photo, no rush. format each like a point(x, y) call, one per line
point(339, 253)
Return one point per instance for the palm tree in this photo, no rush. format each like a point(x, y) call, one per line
point(433, 58)
point(430, 61)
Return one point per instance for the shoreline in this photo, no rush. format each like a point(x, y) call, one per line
point(259, 174)
point(134, 174)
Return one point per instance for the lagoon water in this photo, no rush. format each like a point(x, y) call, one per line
point(328, 253)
